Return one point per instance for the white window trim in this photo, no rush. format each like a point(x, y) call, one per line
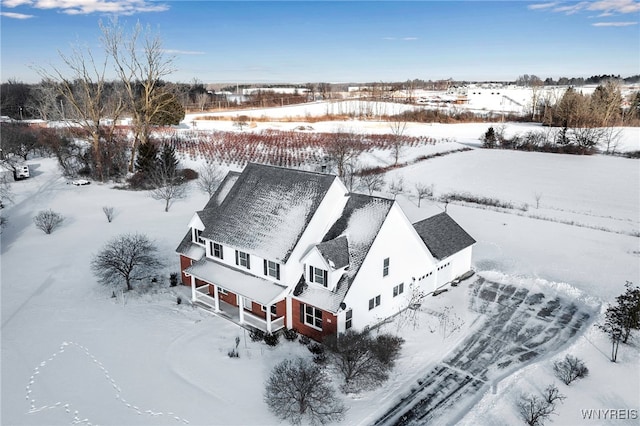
point(304, 320)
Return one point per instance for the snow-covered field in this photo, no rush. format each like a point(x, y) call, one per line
point(73, 354)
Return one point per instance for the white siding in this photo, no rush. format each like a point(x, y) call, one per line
point(409, 259)
point(327, 213)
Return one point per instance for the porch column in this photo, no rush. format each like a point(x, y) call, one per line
point(216, 299)
point(241, 308)
point(193, 288)
point(268, 318)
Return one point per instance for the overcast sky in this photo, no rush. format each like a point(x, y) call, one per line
point(340, 41)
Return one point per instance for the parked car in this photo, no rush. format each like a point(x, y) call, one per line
point(79, 182)
point(21, 171)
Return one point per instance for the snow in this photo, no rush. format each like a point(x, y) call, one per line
point(73, 354)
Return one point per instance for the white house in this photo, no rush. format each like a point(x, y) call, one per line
point(277, 247)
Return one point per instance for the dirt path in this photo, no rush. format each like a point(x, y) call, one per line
point(519, 327)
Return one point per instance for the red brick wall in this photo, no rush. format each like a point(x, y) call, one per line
point(229, 298)
point(329, 323)
point(185, 262)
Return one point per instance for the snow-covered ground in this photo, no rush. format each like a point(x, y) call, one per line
point(73, 354)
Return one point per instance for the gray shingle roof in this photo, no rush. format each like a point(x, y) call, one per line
point(443, 236)
point(267, 210)
point(361, 219)
point(335, 252)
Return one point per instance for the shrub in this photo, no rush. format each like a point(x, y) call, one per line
point(304, 340)
point(570, 369)
point(256, 335)
point(233, 353)
point(290, 334)
point(48, 220)
point(108, 212)
point(173, 279)
point(189, 174)
point(534, 410)
point(316, 348)
point(271, 339)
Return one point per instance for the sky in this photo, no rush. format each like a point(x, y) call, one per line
point(338, 41)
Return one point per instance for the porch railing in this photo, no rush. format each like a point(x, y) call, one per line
point(203, 296)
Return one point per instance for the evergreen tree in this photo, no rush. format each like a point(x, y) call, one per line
point(146, 159)
point(167, 160)
point(489, 139)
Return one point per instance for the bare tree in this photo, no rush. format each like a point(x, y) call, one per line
point(209, 177)
point(141, 64)
point(363, 361)
point(552, 395)
point(85, 92)
point(298, 391)
point(125, 259)
point(344, 148)
point(240, 122)
point(168, 186)
point(372, 182)
point(48, 220)
point(396, 187)
point(538, 196)
point(570, 369)
point(398, 127)
point(423, 191)
point(534, 410)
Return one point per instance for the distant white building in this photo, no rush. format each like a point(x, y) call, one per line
point(277, 247)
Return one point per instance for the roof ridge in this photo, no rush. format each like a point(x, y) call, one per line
point(290, 169)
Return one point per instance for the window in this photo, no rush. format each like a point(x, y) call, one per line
point(216, 250)
point(272, 269)
point(222, 291)
point(399, 289)
point(242, 259)
point(196, 236)
point(273, 309)
point(311, 316)
point(317, 275)
point(374, 302)
point(385, 267)
point(247, 303)
point(348, 319)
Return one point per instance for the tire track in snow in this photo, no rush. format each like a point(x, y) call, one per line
point(67, 406)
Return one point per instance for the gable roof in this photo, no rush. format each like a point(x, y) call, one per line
point(335, 252)
point(360, 221)
point(442, 235)
point(266, 210)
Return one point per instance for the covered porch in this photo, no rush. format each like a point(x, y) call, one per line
point(238, 296)
point(237, 314)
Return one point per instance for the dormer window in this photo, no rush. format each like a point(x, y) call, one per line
point(197, 236)
point(318, 276)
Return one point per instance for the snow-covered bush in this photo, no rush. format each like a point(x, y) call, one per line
point(298, 391)
point(48, 220)
point(570, 369)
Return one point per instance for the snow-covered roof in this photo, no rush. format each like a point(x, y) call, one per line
point(335, 252)
point(360, 221)
point(239, 282)
point(267, 209)
point(442, 235)
point(189, 248)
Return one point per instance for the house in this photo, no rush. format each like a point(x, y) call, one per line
point(277, 247)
